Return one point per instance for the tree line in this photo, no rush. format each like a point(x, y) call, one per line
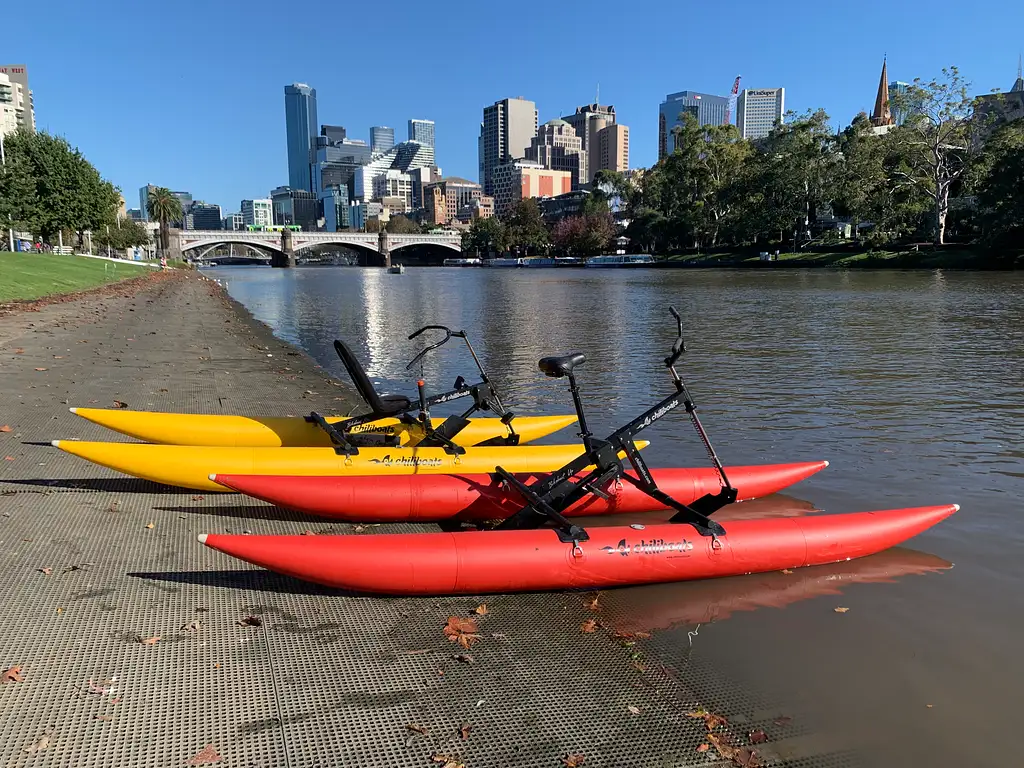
point(47, 188)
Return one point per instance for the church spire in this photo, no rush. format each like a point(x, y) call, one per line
point(1019, 85)
point(882, 115)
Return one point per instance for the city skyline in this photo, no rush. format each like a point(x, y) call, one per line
point(225, 144)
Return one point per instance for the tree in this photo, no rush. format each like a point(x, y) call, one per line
point(402, 225)
point(484, 236)
point(19, 201)
point(1000, 193)
point(165, 208)
point(126, 233)
point(585, 235)
point(525, 226)
point(939, 140)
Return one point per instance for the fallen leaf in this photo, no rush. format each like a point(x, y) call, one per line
point(633, 635)
point(463, 631)
point(633, 710)
point(588, 626)
point(58, 357)
point(711, 720)
point(121, 404)
point(783, 720)
point(464, 731)
point(113, 507)
point(250, 621)
point(60, 611)
point(103, 717)
point(198, 498)
point(164, 389)
point(308, 533)
point(150, 640)
point(758, 737)
point(481, 610)
point(417, 728)
point(40, 369)
point(45, 571)
point(465, 658)
point(448, 761)
point(5, 428)
point(42, 743)
point(12, 675)
point(193, 626)
point(19, 351)
point(593, 604)
point(8, 458)
point(151, 525)
point(840, 610)
point(929, 706)
point(574, 761)
point(704, 747)
point(787, 571)
point(206, 755)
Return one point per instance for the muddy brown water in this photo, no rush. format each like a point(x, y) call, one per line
point(910, 383)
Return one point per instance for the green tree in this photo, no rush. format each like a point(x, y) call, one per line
point(584, 235)
point(19, 201)
point(939, 140)
point(402, 225)
point(164, 207)
point(484, 236)
point(526, 229)
point(124, 234)
point(1000, 193)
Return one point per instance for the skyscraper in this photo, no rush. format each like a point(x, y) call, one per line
point(557, 148)
point(300, 120)
point(505, 134)
point(382, 138)
point(759, 110)
point(422, 131)
point(257, 213)
point(205, 215)
point(590, 123)
point(20, 95)
point(708, 109)
point(333, 133)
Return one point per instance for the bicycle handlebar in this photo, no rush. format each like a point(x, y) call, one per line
point(448, 334)
point(679, 346)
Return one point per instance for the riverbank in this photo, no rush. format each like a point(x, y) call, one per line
point(30, 276)
point(926, 257)
point(257, 669)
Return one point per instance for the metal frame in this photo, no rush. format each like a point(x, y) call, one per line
point(549, 498)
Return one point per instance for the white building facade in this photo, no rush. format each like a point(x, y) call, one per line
point(257, 213)
point(759, 110)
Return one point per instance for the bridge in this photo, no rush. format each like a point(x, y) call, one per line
point(284, 246)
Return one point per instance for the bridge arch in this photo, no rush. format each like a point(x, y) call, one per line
point(208, 243)
point(354, 244)
point(457, 247)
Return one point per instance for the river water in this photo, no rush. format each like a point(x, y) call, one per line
point(910, 383)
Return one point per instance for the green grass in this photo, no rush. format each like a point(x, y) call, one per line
point(35, 275)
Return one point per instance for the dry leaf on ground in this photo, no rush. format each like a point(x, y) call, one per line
point(45, 571)
point(5, 428)
point(19, 351)
point(151, 525)
point(420, 729)
point(740, 756)
point(758, 737)
point(588, 626)
point(633, 635)
point(40, 744)
point(40, 369)
point(593, 603)
point(465, 658)
point(198, 498)
point(250, 621)
point(787, 571)
point(120, 404)
point(633, 710)
point(448, 761)
point(193, 626)
point(206, 755)
point(481, 610)
point(8, 458)
point(840, 610)
point(150, 640)
point(711, 720)
point(574, 761)
point(783, 720)
point(704, 747)
point(463, 631)
point(464, 731)
point(12, 675)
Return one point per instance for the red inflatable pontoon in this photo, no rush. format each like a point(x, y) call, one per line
point(430, 498)
point(535, 560)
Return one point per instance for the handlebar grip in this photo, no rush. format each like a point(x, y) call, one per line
point(444, 328)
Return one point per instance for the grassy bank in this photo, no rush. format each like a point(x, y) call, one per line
point(950, 257)
point(35, 275)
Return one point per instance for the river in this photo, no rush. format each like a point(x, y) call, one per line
point(911, 383)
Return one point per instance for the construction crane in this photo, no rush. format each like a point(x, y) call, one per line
point(732, 101)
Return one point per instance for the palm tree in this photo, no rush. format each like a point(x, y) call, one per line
point(163, 207)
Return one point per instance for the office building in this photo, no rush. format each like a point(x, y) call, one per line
point(205, 216)
point(360, 212)
point(295, 207)
point(135, 214)
point(759, 110)
point(612, 149)
point(257, 213)
point(590, 122)
point(519, 179)
point(382, 138)
point(420, 178)
point(444, 199)
point(332, 133)
point(506, 132)
point(478, 208)
point(233, 222)
point(707, 108)
point(184, 198)
point(422, 131)
point(15, 76)
point(405, 157)
point(335, 205)
point(336, 163)
point(9, 96)
point(996, 109)
point(557, 147)
point(394, 185)
point(300, 123)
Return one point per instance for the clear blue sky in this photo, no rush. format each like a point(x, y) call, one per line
point(190, 95)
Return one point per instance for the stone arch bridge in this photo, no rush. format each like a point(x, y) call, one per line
point(284, 246)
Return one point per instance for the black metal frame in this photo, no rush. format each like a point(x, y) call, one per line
point(485, 398)
point(549, 498)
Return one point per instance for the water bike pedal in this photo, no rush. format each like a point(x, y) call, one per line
point(443, 435)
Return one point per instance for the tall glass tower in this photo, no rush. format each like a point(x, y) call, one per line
point(301, 122)
point(382, 138)
point(422, 131)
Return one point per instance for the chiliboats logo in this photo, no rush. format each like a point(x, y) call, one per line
point(406, 461)
point(658, 414)
point(652, 547)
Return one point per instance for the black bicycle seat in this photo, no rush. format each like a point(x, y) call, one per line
point(557, 367)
